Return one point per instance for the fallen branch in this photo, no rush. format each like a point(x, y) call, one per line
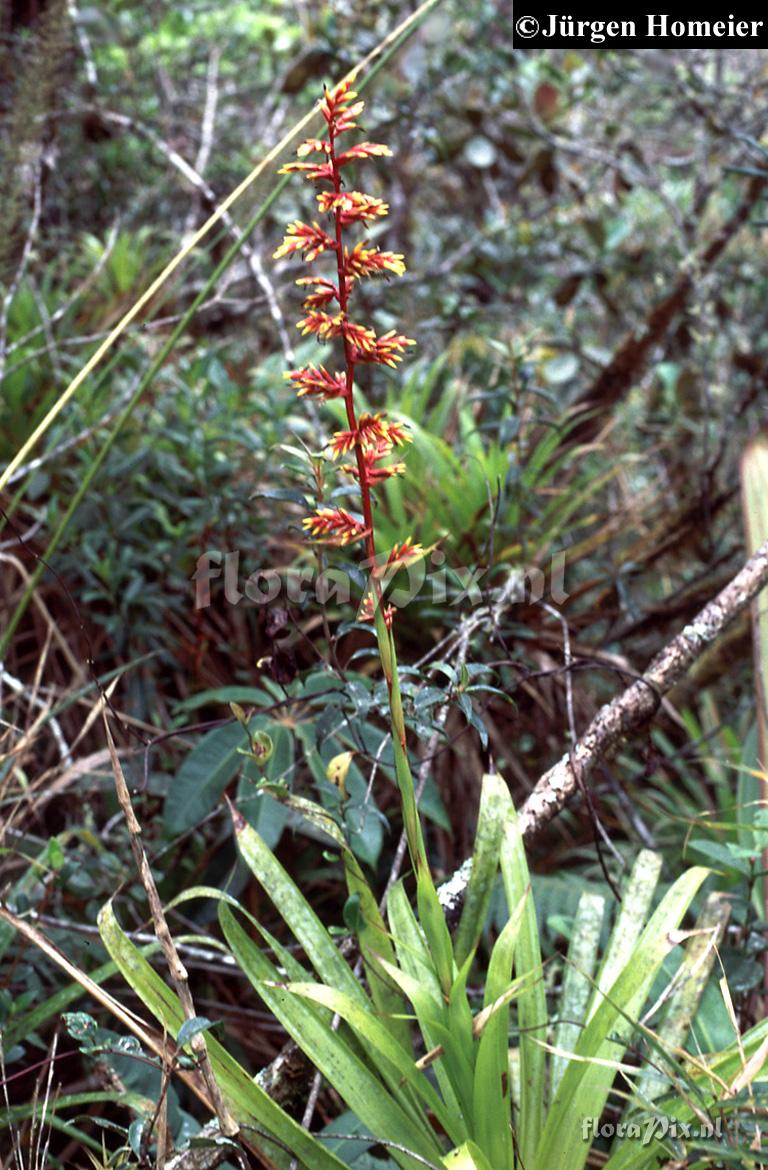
point(626, 713)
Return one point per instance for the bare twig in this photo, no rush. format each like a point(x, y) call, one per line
point(202, 1157)
point(208, 123)
point(178, 972)
point(83, 41)
point(193, 176)
point(209, 112)
point(18, 688)
point(26, 252)
point(635, 705)
point(627, 712)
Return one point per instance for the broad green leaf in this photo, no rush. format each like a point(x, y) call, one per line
point(191, 1028)
point(197, 787)
point(251, 696)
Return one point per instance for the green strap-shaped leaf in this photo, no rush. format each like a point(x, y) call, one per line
point(636, 901)
point(532, 1004)
point(431, 1013)
point(584, 1088)
point(294, 908)
point(248, 1102)
point(494, 800)
point(492, 1116)
point(460, 1049)
point(413, 954)
point(577, 986)
point(358, 1086)
point(375, 942)
point(371, 1030)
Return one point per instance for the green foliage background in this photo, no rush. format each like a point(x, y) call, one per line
point(553, 208)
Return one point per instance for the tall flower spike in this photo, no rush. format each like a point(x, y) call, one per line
point(369, 438)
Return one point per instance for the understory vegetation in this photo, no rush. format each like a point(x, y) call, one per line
point(275, 665)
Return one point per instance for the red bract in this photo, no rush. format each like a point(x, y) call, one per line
point(363, 150)
point(352, 206)
point(325, 325)
point(371, 437)
point(325, 292)
point(334, 526)
point(316, 382)
point(304, 237)
point(362, 261)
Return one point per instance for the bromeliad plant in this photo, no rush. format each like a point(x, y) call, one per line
point(370, 438)
point(436, 1078)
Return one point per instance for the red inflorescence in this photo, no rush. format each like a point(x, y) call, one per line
point(370, 437)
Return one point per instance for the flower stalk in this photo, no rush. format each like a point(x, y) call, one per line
point(370, 438)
